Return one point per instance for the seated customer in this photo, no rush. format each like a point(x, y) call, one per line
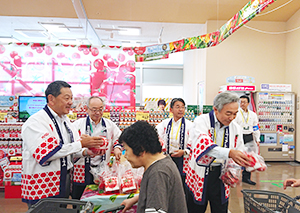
point(161, 187)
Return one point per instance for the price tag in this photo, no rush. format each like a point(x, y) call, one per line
point(2, 116)
point(106, 115)
point(72, 116)
point(142, 116)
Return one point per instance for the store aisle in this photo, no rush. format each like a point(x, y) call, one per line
point(271, 180)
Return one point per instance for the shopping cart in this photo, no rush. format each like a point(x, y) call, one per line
point(61, 205)
point(114, 209)
point(260, 201)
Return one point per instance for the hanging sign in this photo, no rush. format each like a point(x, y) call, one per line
point(161, 51)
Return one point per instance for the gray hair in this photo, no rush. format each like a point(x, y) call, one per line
point(92, 97)
point(225, 98)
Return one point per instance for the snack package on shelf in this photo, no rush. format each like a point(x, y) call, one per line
point(128, 184)
point(230, 173)
point(257, 162)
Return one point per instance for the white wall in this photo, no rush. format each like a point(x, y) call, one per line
point(293, 66)
point(245, 52)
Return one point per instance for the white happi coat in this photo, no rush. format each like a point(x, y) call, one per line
point(162, 128)
point(44, 165)
point(112, 135)
point(197, 165)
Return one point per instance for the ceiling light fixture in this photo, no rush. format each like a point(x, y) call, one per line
point(30, 33)
point(134, 31)
point(55, 27)
point(8, 39)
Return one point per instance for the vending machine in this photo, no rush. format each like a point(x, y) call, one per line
point(276, 116)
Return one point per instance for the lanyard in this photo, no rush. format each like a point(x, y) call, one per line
point(244, 116)
point(89, 127)
point(177, 130)
point(182, 133)
point(215, 138)
point(225, 142)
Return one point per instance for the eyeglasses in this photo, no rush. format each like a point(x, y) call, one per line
point(179, 107)
point(97, 110)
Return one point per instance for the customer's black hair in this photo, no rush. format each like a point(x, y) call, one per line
point(176, 99)
point(161, 102)
point(55, 87)
point(141, 136)
point(245, 96)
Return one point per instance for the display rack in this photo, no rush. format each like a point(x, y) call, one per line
point(276, 115)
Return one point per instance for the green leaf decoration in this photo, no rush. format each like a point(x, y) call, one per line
point(93, 187)
point(96, 208)
point(113, 198)
point(130, 196)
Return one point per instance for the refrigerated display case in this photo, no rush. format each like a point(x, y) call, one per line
point(276, 116)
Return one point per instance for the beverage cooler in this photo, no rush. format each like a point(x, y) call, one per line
point(276, 116)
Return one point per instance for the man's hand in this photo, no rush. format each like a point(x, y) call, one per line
point(239, 157)
point(89, 141)
point(291, 182)
point(128, 203)
point(117, 153)
point(177, 153)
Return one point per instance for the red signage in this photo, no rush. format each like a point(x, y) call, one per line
point(240, 88)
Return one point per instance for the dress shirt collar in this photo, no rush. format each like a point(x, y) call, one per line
point(217, 122)
point(55, 115)
point(176, 122)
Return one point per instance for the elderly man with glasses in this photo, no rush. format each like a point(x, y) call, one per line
point(176, 134)
point(94, 125)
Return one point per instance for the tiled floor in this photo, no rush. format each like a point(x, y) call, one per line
point(270, 180)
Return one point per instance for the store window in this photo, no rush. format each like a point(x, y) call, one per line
point(159, 79)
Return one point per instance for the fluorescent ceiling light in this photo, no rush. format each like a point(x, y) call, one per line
point(32, 33)
point(130, 44)
point(8, 39)
point(134, 31)
point(55, 27)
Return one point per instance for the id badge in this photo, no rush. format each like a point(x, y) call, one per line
point(173, 146)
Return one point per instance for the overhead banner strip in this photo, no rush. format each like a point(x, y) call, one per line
point(161, 51)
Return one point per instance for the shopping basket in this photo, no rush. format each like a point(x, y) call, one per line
point(114, 209)
point(260, 201)
point(61, 205)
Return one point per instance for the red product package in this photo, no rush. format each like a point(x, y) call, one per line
point(97, 150)
point(111, 185)
point(230, 173)
point(128, 184)
point(257, 162)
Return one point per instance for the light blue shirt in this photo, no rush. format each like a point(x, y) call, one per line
point(219, 152)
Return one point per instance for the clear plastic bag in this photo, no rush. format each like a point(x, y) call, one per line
point(127, 181)
point(257, 162)
point(230, 173)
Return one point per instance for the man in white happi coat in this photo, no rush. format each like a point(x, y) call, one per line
point(216, 138)
point(94, 125)
point(248, 120)
point(176, 135)
point(50, 144)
